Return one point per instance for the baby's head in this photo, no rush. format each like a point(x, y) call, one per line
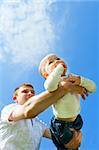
point(49, 63)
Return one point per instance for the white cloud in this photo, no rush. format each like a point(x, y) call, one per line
point(26, 31)
point(1, 56)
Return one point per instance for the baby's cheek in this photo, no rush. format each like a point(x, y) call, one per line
point(50, 69)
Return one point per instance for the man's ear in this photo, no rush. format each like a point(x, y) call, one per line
point(14, 98)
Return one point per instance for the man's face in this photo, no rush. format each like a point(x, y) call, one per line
point(23, 94)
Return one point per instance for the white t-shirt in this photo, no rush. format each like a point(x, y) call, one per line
point(25, 134)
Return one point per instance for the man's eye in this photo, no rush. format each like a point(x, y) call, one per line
point(28, 91)
point(32, 92)
point(24, 91)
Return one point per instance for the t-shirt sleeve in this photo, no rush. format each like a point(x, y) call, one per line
point(6, 112)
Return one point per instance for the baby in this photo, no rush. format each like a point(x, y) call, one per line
point(67, 109)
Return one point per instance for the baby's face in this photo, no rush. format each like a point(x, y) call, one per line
point(52, 63)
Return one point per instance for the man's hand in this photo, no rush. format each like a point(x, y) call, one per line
point(75, 142)
point(72, 88)
point(79, 90)
point(76, 80)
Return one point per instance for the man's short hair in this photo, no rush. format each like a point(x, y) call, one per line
point(22, 85)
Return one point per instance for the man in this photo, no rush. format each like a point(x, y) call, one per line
point(19, 129)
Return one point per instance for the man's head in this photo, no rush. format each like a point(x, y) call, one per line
point(49, 63)
point(22, 93)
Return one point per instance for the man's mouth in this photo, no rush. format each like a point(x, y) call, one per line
point(29, 96)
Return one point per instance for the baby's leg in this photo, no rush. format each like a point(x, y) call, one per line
point(75, 142)
point(63, 135)
point(60, 132)
point(67, 149)
point(72, 149)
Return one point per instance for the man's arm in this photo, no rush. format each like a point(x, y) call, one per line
point(82, 81)
point(47, 134)
point(37, 104)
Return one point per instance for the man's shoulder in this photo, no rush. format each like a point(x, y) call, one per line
point(8, 107)
point(6, 111)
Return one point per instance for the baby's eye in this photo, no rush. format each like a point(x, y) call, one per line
point(50, 62)
point(57, 58)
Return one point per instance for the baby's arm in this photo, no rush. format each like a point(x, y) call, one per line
point(52, 82)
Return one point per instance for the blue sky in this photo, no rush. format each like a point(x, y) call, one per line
point(31, 29)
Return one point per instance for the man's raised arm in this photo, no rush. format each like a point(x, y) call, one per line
point(37, 104)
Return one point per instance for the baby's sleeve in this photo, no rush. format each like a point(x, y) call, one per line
point(88, 84)
point(52, 82)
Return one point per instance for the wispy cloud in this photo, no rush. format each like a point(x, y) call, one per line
point(26, 31)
